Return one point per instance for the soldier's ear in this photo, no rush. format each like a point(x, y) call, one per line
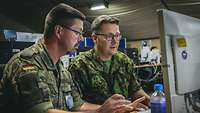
point(58, 30)
point(94, 37)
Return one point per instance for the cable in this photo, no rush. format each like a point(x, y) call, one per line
point(155, 74)
point(192, 101)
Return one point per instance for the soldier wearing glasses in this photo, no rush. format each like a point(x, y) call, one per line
point(103, 70)
point(35, 81)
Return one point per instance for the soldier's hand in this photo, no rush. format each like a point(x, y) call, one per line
point(134, 105)
point(146, 101)
point(138, 103)
point(115, 104)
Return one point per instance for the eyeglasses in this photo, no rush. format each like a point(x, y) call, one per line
point(78, 33)
point(110, 36)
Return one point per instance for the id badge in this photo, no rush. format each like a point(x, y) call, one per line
point(69, 101)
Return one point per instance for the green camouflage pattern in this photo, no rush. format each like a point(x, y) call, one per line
point(32, 82)
point(96, 83)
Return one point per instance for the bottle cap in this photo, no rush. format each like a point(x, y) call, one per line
point(158, 87)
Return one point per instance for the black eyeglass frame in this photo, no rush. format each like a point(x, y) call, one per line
point(77, 32)
point(111, 35)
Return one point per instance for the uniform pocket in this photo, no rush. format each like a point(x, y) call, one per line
point(31, 89)
point(43, 85)
point(98, 82)
point(67, 96)
point(53, 89)
point(66, 88)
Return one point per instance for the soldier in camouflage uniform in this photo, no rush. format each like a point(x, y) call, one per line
point(34, 78)
point(35, 81)
point(103, 70)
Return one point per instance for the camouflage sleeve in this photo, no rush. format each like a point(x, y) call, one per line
point(2, 102)
point(23, 94)
point(79, 76)
point(33, 94)
point(134, 86)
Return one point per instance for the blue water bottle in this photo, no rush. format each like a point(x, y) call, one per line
point(158, 100)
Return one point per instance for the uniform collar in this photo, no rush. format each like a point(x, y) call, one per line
point(96, 55)
point(46, 58)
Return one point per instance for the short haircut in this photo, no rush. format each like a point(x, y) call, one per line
point(97, 23)
point(62, 14)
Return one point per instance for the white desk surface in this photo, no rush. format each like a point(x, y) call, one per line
point(145, 111)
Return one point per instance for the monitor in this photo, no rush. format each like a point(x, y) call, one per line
point(180, 52)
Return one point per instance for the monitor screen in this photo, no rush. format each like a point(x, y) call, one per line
point(122, 43)
point(10, 34)
point(89, 42)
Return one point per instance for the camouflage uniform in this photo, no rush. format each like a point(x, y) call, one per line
point(96, 83)
point(33, 84)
